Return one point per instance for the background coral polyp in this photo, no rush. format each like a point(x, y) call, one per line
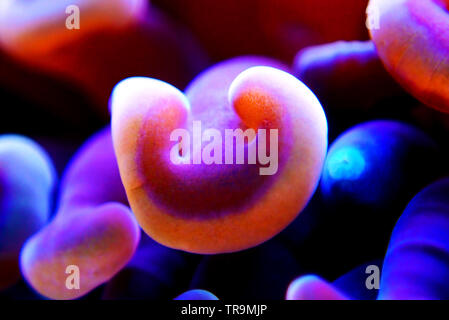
point(27, 180)
point(92, 228)
point(215, 208)
point(115, 39)
point(419, 239)
point(196, 295)
point(311, 287)
point(413, 42)
point(418, 244)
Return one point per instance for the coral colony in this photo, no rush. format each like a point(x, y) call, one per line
point(240, 149)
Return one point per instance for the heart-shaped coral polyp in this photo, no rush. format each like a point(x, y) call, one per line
point(221, 206)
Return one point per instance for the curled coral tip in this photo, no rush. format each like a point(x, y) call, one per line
point(142, 101)
point(262, 95)
point(133, 96)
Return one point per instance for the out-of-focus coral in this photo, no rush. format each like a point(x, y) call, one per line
point(196, 294)
point(311, 287)
point(416, 264)
point(370, 174)
point(93, 233)
point(116, 39)
point(346, 75)
point(27, 182)
point(412, 39)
